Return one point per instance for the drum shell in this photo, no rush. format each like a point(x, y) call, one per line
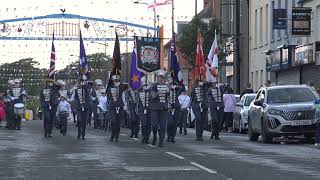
point(19, 109)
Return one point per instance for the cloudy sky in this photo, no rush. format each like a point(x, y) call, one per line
point(123, 10)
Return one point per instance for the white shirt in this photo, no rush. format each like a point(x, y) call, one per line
point(64, 106)
point(103, 103)
point(184, 101)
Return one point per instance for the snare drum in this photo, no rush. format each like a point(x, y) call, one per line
point(19, 109)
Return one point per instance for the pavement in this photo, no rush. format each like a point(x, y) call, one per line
point(27, 155)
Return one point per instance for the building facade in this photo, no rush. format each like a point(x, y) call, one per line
point(288, 55)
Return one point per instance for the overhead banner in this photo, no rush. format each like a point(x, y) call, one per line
point(148, 52)
point(279, 18)
point(301, 21)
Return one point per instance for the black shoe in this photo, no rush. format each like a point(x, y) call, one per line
point(172, 140)
point(136, 136)
point(180, 131)
point(199, 139)
point(111, 139)
point(131, 136)
point(154, 141)
point(45, 135)
point(64, 134)
point(160, 145)
point(147, 141)
point(217, 138)
point(117, 140)
point(78, 137)
point(168, 139)
point(50, 136)
point(83, 138)
point(143, 141)
point(211, 137)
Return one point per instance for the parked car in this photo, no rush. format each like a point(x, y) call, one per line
point(240, 117)
point(282, 111)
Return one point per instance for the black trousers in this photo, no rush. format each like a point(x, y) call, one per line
point(47, 122)
point(115, 123)
point(145, 125)
point(159, 122)
point(63, 120)
point(217, 119)
point(134, 123)
point(183, 117)
point(17, 122)
point(228, 118)
point(173, 123)
point(82, 122)
point(199, 120)
point(10, 117)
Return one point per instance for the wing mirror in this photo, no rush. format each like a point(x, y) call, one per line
point(239, 104)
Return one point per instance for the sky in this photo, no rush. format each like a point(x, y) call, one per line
point(123, 10)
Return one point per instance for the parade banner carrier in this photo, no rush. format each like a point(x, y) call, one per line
point(148, 51)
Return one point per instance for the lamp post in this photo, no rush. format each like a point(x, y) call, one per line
point(154, 14)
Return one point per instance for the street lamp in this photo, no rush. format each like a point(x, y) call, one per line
point(154, 14)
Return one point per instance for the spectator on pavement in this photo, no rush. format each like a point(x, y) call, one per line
point(268, 83)
point(2, 110)
point(248, 90)
point(229, 100)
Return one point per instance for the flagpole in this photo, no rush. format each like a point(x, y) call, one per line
point(172, 16)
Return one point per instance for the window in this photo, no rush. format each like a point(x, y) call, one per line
point(267, 24)
point(279, 7)
point(290, 95)
point(261, 27)
point(256, 27)
point(272, 30)
point(293, 3)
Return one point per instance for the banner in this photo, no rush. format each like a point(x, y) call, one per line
point(279, 19)
point(301, 21)
point(148, 52)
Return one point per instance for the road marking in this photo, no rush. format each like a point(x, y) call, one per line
point(204, 168)
point(151, 145)
point(200, 154)
point(175, 155)
point(136, 139)
point(123, 134)
point(160, 169)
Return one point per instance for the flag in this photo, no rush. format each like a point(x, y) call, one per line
point(84, 65)
point(212, 61)
point(51, 71)
point(200, 64)
point(135, 74)
point(176, 74)
point(116, 60)
point(155, 4)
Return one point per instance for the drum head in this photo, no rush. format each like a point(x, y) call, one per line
point(19, 105)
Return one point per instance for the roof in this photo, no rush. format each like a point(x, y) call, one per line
point(286, 86)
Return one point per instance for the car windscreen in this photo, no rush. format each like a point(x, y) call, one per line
point(290, 95)
point(249, 99)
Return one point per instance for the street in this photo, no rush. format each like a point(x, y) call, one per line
point(26, 154)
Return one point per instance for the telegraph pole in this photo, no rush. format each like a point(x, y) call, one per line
point(238, 59)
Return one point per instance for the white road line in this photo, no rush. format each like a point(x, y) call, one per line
point(175, 155)
point(123, 134)
point(151, 145)
point(204, 168)
point(161, 169)
point(136, 139)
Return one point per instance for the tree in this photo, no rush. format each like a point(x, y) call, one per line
point(99, 64)
point(187, 40)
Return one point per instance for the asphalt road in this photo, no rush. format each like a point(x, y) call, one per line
point(27, 155)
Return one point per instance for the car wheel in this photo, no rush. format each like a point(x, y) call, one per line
point(252, 136)
point(266, 138)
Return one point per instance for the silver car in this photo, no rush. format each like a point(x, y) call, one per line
point(240, 117)
point(282, 111)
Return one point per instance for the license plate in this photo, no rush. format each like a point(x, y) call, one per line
point(301, 123)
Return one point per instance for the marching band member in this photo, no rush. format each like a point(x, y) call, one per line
point(17, 94)
point(144, 111)
point(184, 101)
point(46, 103)
point(159, 108)
point(115, 107)
point(63, 111)
point(199, 107)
